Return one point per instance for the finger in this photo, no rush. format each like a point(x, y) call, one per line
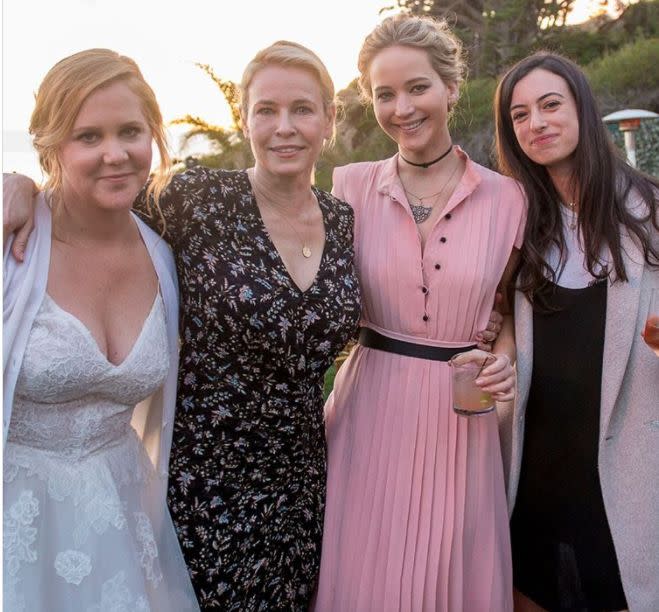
point(20, 241)
point(489, 335)
point(500, 367)
point(504, 386)
point(504, 397)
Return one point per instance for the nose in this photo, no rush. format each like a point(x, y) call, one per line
point(285, 124)
point(404, 106)
point(115, 152)
point(538, 121)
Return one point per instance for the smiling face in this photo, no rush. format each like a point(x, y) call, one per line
point(286, 120)
point(106, 158)
point(545, 119)
point(411, 101)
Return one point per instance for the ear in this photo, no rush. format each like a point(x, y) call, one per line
point(453, 93)
point(330, 114)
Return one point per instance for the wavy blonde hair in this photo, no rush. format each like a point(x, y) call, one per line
point(434, 36)
point(64, 90)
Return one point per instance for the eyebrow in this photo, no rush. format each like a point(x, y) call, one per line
point(129, 123)
point(540, 99)
point(274, 103)
point(407, 83)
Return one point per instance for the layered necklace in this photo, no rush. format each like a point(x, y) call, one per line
point(305, 249)
point(420, 211)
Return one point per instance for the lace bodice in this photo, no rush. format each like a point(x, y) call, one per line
point(70, 400)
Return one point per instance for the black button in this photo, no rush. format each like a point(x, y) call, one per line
point(437, 266)
point(424, 289)
point(448, 215)
point(425, 317)
point(442, 239)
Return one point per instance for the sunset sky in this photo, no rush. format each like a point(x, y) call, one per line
point(166, 38)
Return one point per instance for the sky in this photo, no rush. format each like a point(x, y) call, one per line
point(166, 38)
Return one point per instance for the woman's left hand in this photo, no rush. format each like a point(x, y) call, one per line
point(498, 379)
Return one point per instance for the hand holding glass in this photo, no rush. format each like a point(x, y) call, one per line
point(468, 398)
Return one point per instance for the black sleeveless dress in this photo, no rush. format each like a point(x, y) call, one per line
point(563, 553)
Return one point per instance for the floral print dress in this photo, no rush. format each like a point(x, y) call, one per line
point(248, 462)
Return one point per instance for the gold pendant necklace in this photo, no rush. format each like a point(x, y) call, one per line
point(306, 249)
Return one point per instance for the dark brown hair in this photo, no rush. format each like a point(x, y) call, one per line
point(603, 180)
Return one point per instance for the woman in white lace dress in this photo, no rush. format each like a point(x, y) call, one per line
point(90, 330)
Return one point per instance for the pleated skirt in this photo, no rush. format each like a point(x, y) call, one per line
point(416, 516)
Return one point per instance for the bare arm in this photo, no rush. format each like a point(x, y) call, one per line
point(499, 377)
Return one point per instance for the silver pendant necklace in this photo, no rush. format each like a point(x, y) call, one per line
point(421, 213)
point(573, 215)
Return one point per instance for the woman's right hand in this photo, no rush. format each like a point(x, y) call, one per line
point(18, 211)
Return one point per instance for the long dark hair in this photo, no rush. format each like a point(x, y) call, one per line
point(603, 179)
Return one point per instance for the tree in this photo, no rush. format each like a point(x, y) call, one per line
point(494, 32)
point(228, 146)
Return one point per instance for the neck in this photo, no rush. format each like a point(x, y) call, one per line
point(565, 185)
point(427, 164)
point(291, 193)
point(78, 223)
point(431, 174)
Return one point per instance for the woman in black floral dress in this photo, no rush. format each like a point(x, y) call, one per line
point(269, 297)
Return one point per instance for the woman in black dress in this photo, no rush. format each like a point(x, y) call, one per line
point(583, 437)
point(269, 298)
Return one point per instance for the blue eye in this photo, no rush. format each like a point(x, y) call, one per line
point(419, 88)
point(384, 96)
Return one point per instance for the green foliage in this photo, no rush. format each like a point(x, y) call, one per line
point(647, 145)
point(329, 381)
point(632, 67)
point(475, 105)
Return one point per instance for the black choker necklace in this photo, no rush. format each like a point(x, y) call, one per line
point(430, 163)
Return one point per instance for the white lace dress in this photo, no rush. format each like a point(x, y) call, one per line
point(84, 529)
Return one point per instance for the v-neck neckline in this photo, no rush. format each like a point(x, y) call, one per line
point(86, 331)
point(256, 211)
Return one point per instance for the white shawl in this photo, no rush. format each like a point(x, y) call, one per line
point(24, 288)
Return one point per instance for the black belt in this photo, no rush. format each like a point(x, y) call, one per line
point(372, 339)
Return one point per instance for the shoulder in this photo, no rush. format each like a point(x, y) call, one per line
point(203, 178)
point(361, 170)
point(505, 188)
point(334, 203)
point(355, 182)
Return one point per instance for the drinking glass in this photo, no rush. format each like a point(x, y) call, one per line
point(468, 398)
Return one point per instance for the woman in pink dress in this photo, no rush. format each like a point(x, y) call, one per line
point(416, 514)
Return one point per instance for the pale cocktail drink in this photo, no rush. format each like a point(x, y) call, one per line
point(468, 398)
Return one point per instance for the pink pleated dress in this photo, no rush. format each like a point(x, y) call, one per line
point(416, 516)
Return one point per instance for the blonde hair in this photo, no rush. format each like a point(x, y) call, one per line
point(287, 53)
point(64, 90)
point(434, 36)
